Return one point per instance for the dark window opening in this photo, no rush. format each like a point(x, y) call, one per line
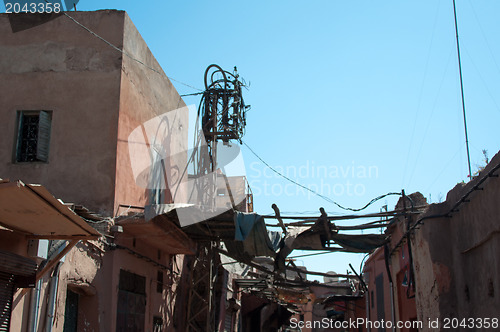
point(132, 282)
point(159, 282)
point(33, 136)
point(71, 312)
point(131, 308)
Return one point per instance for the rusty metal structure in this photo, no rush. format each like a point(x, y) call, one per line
point(223, 111)
point(222, 114)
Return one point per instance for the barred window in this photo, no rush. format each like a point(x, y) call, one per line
point(33, 136)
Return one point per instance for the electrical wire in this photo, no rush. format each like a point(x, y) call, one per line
point(419, 103)
point(193, 94)
point(434, 107)
point(329, 200)
point(484, 36)
point(125, 53)
point(314, 254)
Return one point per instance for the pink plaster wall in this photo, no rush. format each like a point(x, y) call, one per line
point(97, 97)
point(145, 94)
point(60, 67)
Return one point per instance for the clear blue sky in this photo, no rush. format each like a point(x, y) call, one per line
point(372, 85)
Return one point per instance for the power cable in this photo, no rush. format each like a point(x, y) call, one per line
point(444, 168)
point(314, 254)
point(125, 53)
point(193, 94)
point(484, 36)
point(419, 103)
point(482, 79)
point(329, 200)
point(434, 106)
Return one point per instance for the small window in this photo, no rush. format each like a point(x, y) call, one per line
point(33, 136)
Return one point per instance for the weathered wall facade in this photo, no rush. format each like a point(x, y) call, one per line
point(145, 95)
point(96, 98)
point(456, 257)
point(59, 67)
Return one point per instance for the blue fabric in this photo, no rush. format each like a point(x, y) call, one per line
point(244, 223)
point(275, 238)
point(252, 237)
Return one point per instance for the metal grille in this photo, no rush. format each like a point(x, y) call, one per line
point(33, 136)
point(6, 293)
point(28, 138)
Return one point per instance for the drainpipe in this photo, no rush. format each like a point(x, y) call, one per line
point(34, 307)
point(54, 283)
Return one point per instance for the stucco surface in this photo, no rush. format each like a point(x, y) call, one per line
point(59, 67)
point(457, 256)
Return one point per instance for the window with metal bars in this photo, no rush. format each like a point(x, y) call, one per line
point(33, 136)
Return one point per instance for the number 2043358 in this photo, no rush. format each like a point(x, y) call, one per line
point(32, 7)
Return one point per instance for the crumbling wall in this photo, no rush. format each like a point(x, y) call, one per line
point(83, 274)
point(456, 256)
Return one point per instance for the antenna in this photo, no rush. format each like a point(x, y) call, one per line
point(462, 89)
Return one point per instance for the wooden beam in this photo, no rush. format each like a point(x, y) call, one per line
point(50, 264)
point(278, 216)
point(63, 237)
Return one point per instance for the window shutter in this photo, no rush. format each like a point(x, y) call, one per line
point(42, 148)
point(6, 294)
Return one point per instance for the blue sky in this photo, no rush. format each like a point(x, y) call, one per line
point(341, 85)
